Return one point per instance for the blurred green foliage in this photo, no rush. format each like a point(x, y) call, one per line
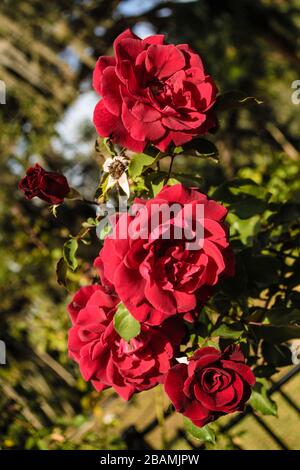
point(47, 53)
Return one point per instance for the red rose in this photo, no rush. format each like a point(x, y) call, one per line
point(47, 185)
point(157, 277)
point(108, 360)
point(213, 383)
point(152, 92)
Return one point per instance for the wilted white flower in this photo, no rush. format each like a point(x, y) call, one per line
point(116, 168)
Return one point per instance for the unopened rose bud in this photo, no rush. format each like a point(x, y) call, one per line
point(49, 186)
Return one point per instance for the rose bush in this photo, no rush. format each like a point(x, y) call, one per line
point(157, 278)
point(107, 359)
point(152, 92)
point(167, 254)
point(213, 383)
point(49, 186)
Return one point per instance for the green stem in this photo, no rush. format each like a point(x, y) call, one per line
point(85, 231)
point(170, 170)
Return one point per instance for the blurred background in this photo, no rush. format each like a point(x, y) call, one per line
point(47, 54)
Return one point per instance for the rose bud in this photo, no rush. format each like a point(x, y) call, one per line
point(49, 186)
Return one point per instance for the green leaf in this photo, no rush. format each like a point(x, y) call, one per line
point(199, 148)
point(104, 147)
point(104, 231)
point(189, 180)
point(61, 272)
point(287, 213)
point(91, 222)
point(246, 229)
point(139, 162)
point(155, 181)
point(230, 191)
point(277, 355)
point(69, 252)
point(248, 187)
point(260, 401)
point(235, 99)
point(248, 207)
point(125, 324)
point(205, 434)
point(264, 371)
point(244, 197)
point(262, 270)
point(275, 334)
point(283, 315)
point(139, 185)
point(227, 331)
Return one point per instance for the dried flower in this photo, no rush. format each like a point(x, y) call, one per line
point(116, 168)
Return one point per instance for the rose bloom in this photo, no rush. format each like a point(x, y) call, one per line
point(108, 360)
point(152, 92)
point(49, 186)
point(156, 277)
point(213, 383)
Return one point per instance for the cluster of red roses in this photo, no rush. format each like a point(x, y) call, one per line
point(162, 284)
point(159, 94)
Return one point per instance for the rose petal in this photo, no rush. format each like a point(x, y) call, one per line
point(109, 125)
point(111, 91)
point(164, 61)
point(140, 130)
point(102, 63)
point(174, 383)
